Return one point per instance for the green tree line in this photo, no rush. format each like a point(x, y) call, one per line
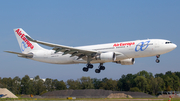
point(143, 81)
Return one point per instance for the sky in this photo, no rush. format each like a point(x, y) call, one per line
point(87, 22)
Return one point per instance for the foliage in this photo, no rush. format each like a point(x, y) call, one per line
point(86, 83)
point(140, 82)
point(135, 89)
point(73, 84)
point(108, 84)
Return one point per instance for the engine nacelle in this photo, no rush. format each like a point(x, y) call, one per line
point(129, 61)
point(109, 56)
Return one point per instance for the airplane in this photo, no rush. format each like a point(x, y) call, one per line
point(123, 53)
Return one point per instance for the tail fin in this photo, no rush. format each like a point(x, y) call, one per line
point(25, 45)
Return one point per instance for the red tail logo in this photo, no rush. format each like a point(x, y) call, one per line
point(24, 38)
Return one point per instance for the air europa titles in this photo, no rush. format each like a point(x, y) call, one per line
point(24, 38)
point(124, 44)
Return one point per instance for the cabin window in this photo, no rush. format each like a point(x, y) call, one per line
point(168, 42)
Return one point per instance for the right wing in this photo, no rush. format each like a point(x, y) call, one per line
point(66, 49)
point(29, 55)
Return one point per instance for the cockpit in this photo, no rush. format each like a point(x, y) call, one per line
point(168, 42)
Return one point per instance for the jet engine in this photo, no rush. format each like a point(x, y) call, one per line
point(129, 61)
point(106, 56)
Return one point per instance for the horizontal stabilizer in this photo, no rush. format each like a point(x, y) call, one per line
point(29, 55)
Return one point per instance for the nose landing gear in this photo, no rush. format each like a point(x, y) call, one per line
point(157, 60)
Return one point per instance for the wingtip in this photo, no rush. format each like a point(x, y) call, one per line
point(6, 51)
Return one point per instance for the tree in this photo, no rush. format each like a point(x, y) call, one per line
point(155, 85)
point(48, 84)
point(119, 85)
point(152, 85)
point(161, 84)
point(176, 82)
point(171, 81)
point(38, 86)
point(16, 85)
point(60, 85)
point(168, 88)
point(7, 83)
point(86, 83)
point(168, 82)
point(169, 73)
point(109, 84)
point(141, 83)
point(126, 82)
point(1, 84)
point(53, 86)
point(105, 79)
point(96, 82)
point(145, 74)
point(71, 84)
point(177, 74)
point(26, 85)
point(159, 75)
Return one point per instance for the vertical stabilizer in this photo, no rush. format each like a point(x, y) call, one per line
point(25, 45)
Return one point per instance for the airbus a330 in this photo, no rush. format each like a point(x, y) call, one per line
point(123, 53)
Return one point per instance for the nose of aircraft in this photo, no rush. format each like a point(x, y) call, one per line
point(170, 47)
point(174, 46)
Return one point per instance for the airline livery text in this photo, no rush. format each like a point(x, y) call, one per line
point(124, 44)
point(24, 38)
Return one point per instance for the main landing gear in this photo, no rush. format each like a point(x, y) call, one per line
point(157, 60)
point(85, 69)
point(101, 67)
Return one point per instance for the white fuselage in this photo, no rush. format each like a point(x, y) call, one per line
point(123, 50)
point(123, 53)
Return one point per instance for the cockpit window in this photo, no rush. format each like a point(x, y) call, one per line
point(168, 42)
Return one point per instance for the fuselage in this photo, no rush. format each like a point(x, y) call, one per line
point(123, 53)
point(123, 50)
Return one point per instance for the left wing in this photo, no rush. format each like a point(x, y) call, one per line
point(66, 49)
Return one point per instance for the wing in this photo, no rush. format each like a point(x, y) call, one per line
point(66, 49)
point(29, 55)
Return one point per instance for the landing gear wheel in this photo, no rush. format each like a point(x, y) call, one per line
point(97, 70)
point(157, 60)
point(85, 69)
point(90, 66)
point(102, 68)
